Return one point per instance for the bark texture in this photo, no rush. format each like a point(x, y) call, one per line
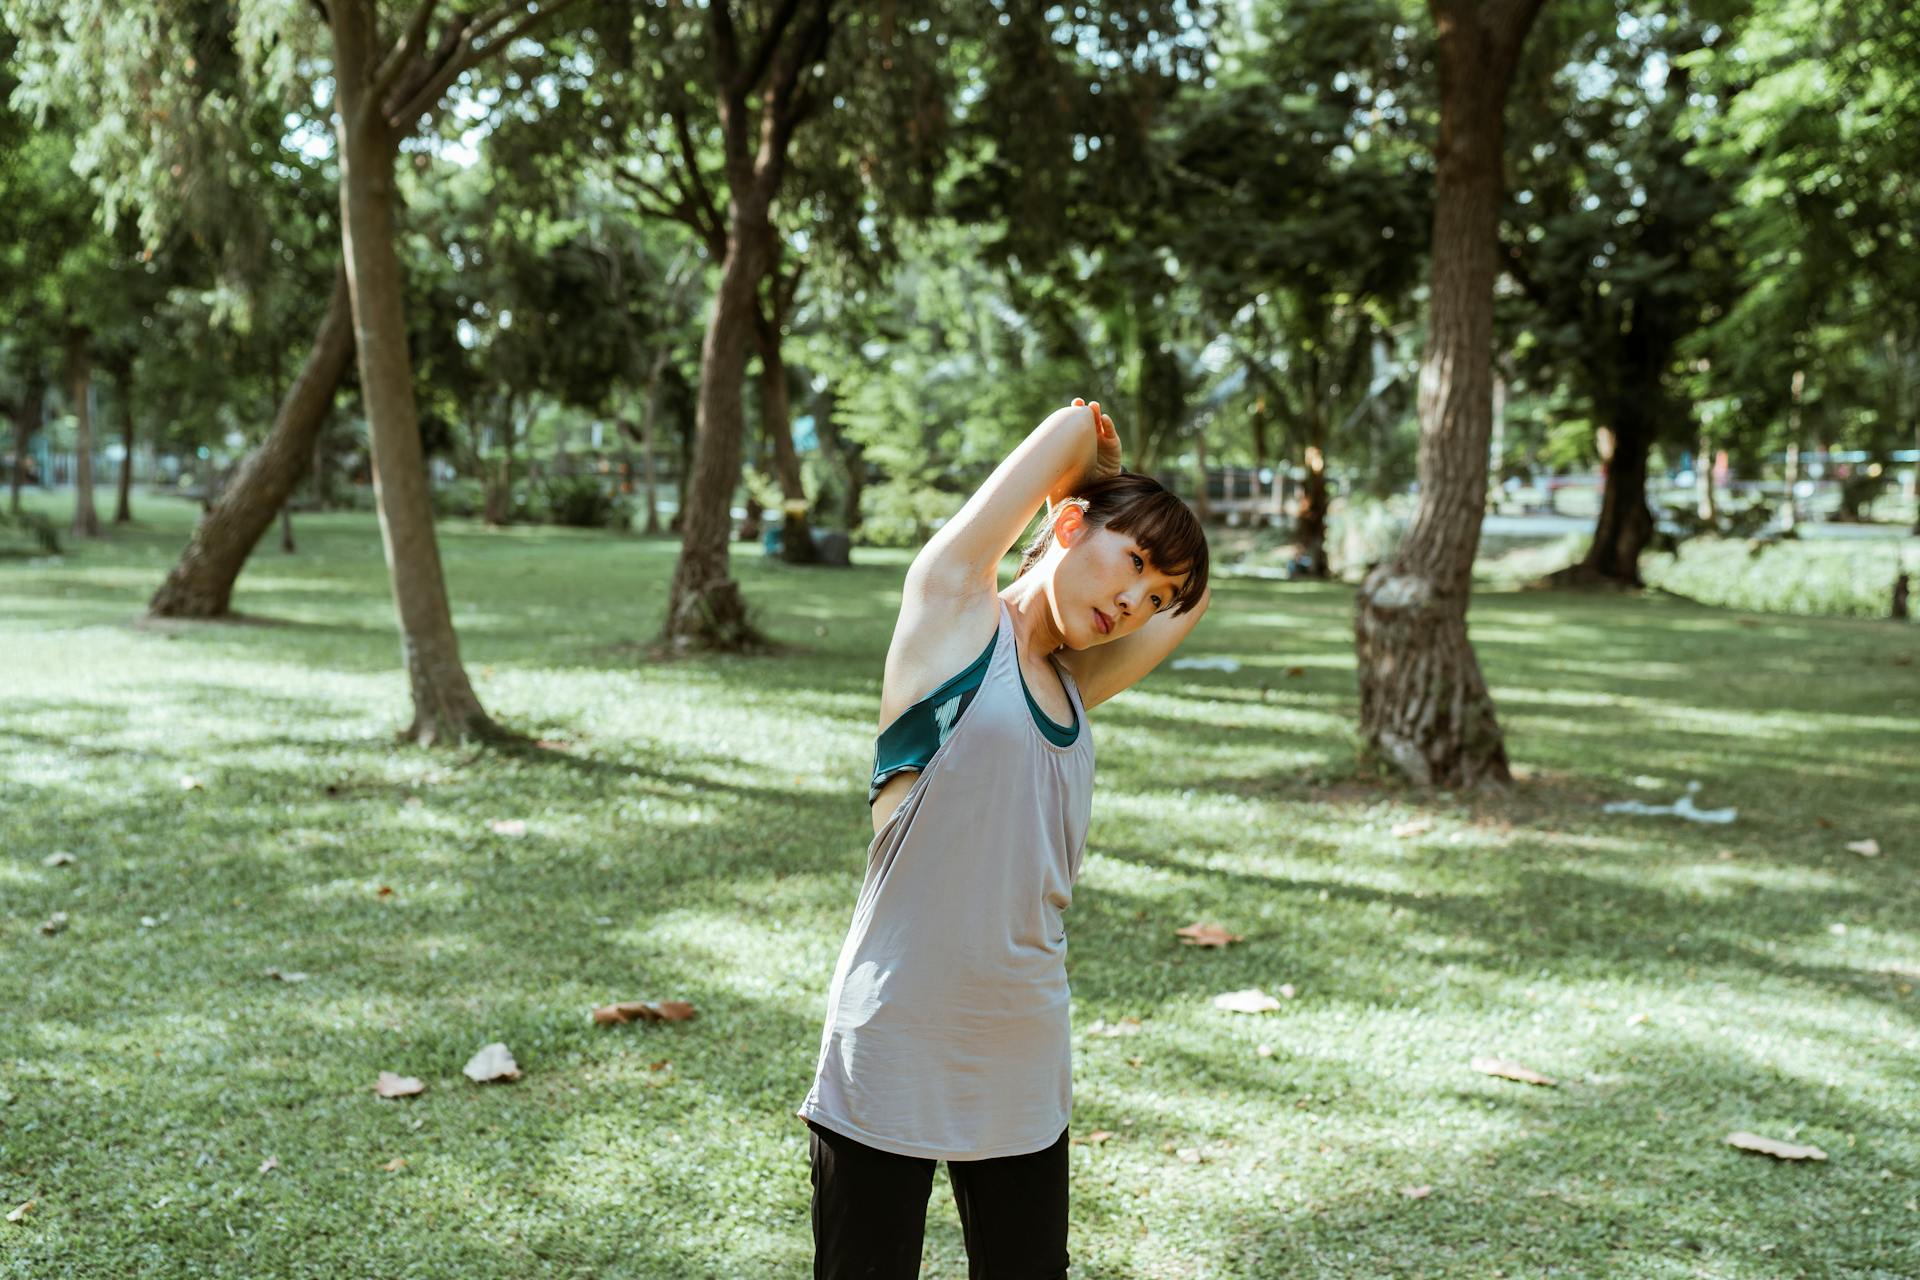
point(1424, 706)
point(201, 583)
point(445, 707)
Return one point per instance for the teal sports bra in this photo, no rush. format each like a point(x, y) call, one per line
point(916, 733)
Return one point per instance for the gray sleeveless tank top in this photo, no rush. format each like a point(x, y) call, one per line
point(947, 1031)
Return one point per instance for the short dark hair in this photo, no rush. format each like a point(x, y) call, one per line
point(1158, 520)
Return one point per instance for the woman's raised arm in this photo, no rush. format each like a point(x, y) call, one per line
point(965, 552)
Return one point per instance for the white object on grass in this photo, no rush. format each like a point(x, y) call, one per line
point(1684, 807)
point(1206, 664)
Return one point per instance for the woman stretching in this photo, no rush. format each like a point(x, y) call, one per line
point(946, 1033)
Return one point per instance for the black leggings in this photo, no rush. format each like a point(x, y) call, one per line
point(870, 1209)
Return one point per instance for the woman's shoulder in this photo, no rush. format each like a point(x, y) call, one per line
point(936, 635)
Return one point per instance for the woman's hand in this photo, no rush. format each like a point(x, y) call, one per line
point(1107, 443)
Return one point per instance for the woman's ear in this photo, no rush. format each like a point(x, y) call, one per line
point(1070, 525)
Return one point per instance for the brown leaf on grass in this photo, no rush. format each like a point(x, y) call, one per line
point(270, 1164)
point(54, 923)
point(21, 1212)
point(393, 1165)
point(1206, 935)
point(1771, 1147)
point(60, 858)
point(553, 744)
point(1411, 827)
point(1868, 848)
point(611, 1015)
point(280, 975)
point(390, 1085)
point(1093, 1139)
point(1511, 1071)
point(384, 891)
point(492, 1062)
point(1416, 1193)
point(1293, 672)
point(509, 826)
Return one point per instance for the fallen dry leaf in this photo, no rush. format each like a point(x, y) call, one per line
point(1511, 1071)
point(1769, 1147)
point(1190, 1155)
point(608, 1015)
point(1206, 935)
point(1868, 848)
point(1416, 1193)
point(509, 826)
point(390, 1085)
point(20, 1212)
point(60, 858)
point(1293, 672)
point(270, 1164)
point(280, 975)
point(54, 923)
point(393, 1165)
point(492, 1062)
point(1411, 827)
point(1252, 1000)
point(384, 891)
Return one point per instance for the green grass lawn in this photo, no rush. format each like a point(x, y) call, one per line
point(698, 832)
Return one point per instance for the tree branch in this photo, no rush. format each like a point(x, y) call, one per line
point(769, 41)
point(459, 51)
point(404, 49)
point(696, 181)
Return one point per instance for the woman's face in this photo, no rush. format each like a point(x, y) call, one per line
point(1106, 585)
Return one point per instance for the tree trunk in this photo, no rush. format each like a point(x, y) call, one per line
point(704, 605)
point(1202, 501)
point(27, 417)
point(322, 492)
point(1708, 507)
point(201, 583)
point(497, 504)
point(649, 423)
point(286, 526)
point(1424, 706)
point(1258, 420)
point(1790, 509)
point(444, 705)
point(1310, 517)
point(123, 386)
point(776, 423)
point(86, 521)
point(1625, 524)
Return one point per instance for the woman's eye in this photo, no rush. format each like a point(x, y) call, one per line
point(1156, 604)
point(1138, 563)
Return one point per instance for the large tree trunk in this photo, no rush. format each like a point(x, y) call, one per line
point(1424, 707)
point(86, 521)
point(201, 584)
point(1790, 508)
point(123, 387)
point(445, 707)
point(704, 604)
point(27, 416)
point(776, 423)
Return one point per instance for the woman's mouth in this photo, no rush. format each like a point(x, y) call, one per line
point(1102, 623)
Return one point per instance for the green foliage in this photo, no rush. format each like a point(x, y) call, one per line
point(27, 530)
point(586, 502)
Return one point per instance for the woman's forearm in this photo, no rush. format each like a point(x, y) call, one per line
point(1078, 420)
